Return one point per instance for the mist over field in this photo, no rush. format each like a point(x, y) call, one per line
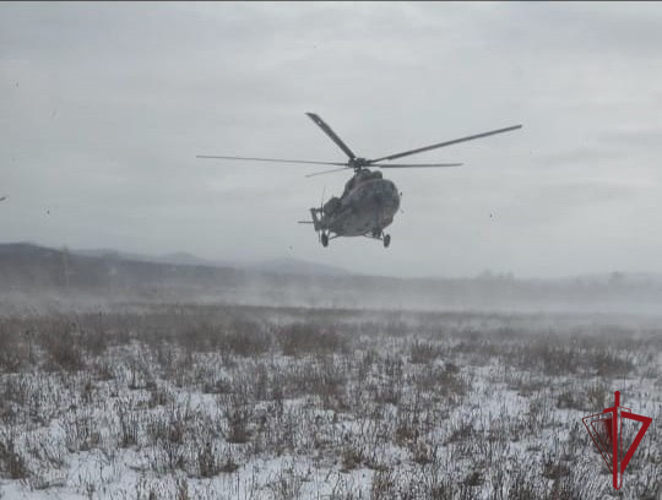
point(129, 377)
point(169, 330)
point(43, 275)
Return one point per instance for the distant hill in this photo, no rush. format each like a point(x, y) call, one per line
point(282, 266)
point(30, 269)
point(183, 258)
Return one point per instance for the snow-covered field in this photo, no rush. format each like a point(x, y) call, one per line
point(180, 401)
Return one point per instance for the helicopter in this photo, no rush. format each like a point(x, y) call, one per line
point(369, 202)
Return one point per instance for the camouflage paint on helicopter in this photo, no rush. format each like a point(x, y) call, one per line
point(367, 206)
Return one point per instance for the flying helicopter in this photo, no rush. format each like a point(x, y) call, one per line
point(369, 202)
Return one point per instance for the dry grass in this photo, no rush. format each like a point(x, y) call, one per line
point(192, 398)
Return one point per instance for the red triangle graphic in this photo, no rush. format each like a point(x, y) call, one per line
point(611, 437)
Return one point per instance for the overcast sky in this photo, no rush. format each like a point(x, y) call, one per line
point(104, 106)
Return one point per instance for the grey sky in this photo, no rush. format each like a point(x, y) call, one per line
point(104, 107)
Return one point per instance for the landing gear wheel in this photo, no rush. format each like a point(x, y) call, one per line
point(325, 240)
point(387, 240)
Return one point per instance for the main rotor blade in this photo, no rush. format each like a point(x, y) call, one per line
point(328, 171)
point(274, 160)
point(416, 165)
point(327, 130)
point(447, 143)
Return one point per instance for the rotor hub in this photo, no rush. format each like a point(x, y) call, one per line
point(358, 163)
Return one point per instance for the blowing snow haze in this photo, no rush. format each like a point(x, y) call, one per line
point(104, 108)
point(168, 330)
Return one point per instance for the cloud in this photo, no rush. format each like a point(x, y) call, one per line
point(105, 107)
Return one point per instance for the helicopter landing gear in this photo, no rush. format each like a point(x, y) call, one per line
point(377, 234)
point(325, 240)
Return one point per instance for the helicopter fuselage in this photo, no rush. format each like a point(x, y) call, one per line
point(367, 206)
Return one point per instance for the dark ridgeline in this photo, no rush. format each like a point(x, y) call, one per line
point(28, 268)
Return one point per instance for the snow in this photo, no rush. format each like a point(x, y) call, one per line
point(435, 406)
